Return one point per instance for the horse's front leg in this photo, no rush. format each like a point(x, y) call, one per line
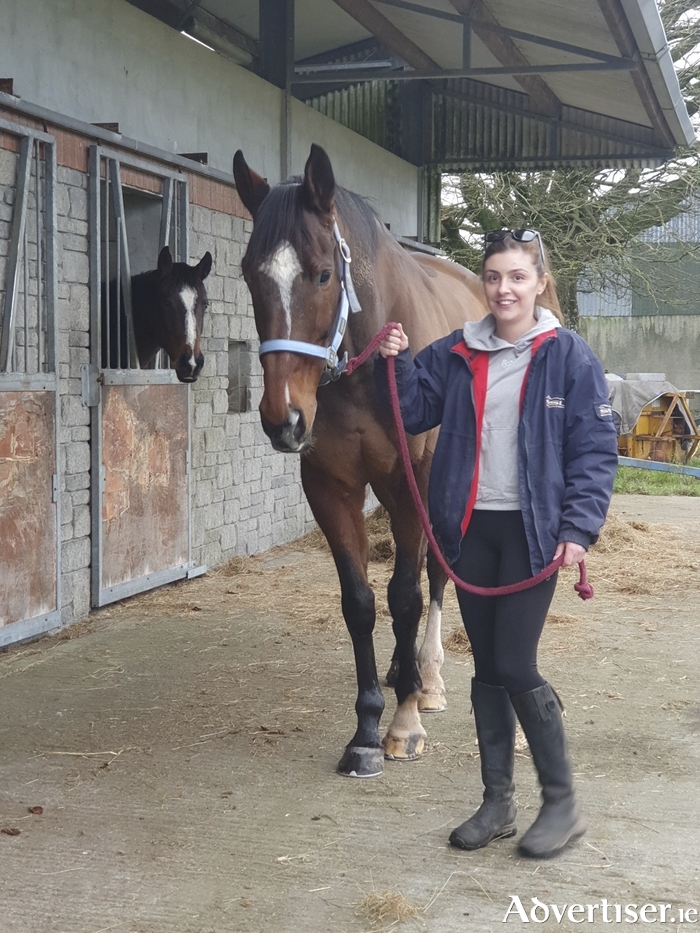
point(432, 655)
point(337, 508)
point(405, 737)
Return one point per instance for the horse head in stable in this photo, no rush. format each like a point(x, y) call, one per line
point(291, 267)
point(168, 310)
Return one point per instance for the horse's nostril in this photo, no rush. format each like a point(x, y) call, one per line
point(297, 423)
point(289, 435)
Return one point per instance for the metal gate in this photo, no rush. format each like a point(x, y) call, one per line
point(30, 593)
point(140, 428)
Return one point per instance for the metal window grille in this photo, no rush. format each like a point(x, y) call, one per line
point(111, 258)
point(27, 281)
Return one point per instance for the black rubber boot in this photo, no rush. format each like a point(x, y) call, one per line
point(495, 730)
point(559, 821)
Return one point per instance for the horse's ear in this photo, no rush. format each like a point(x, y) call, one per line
point(318, 188)
point(165, 261)
point(203, 267)
point(252, 188)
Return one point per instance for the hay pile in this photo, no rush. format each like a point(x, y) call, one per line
point(457, 641)
point(381, 542)
point(388, 907)
point(638, 559)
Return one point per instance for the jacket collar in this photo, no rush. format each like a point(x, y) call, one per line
point(468, 353)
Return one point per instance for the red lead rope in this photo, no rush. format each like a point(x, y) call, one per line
point(583, 587)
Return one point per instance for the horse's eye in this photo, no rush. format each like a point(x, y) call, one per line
point(325, 277)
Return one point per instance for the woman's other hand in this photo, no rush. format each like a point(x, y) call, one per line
point(394, 342)
point(573, 553)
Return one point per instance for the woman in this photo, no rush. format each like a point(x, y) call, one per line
point(522, 473)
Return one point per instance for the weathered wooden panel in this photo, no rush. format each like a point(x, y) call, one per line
point(145, 494)
point(27, 510)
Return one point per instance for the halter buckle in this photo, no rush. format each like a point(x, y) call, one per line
point(334, 370)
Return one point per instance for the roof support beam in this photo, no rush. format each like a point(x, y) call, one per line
point(620, 29)
point(353, 77)
point(543, 99)
point(276, 26)
point(500, 30)
point(390, 37)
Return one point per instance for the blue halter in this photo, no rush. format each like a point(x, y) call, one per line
point(348, 302)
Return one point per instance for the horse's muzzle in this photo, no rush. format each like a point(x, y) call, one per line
point(188, 368)
point(290, 436)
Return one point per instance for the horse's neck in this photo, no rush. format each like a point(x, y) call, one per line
point(144, 308)
point(373, 276)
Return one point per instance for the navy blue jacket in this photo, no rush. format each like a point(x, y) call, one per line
point(567, 443)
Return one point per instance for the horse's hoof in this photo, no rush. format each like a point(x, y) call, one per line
point(405, 748)
point(360, 762)
point(432, 703)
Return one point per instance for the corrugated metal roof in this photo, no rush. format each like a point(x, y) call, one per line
point(478, 127)
point(600, 68)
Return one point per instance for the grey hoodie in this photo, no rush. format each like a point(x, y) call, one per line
point(508, 363)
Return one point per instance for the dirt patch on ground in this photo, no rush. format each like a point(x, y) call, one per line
point(182, 747)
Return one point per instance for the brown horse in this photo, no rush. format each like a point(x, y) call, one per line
point(296, 269)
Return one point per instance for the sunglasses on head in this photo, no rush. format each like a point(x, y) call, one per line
point(522, 236)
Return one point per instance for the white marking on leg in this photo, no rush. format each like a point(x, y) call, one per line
point(430, 659)
point(283, 267)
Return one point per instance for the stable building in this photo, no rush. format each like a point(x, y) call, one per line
point(118, 124)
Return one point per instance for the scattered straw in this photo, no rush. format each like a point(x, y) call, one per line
point(457, 641)
point(561, 618)
point(389, 906)
point(378, 526)
point(236, 566)
point(641, 559)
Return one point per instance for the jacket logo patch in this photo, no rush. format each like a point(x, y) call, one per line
point(554, 402)
point(605, 411)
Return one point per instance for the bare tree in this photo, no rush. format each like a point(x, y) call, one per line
point(591, 220)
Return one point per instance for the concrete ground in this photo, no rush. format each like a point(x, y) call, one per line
point(182, 746)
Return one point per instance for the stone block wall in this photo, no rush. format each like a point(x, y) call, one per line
point(73, 310)
point(245, 497)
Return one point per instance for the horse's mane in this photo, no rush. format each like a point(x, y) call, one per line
point(279, 218)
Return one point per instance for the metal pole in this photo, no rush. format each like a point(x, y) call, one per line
point(107, 282)
point(124, 277)
point(19, 220)
point(26, 296)
point(166, 213)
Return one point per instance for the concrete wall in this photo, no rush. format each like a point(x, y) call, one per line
point(663, 343)
point(106, 61)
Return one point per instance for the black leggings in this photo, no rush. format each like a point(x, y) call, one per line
point(503, 630)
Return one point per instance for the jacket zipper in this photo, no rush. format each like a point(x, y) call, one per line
point(533, 497)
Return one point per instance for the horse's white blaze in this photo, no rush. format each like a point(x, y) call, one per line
point(287, 396)
point(283, 267)
point(188, 297)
